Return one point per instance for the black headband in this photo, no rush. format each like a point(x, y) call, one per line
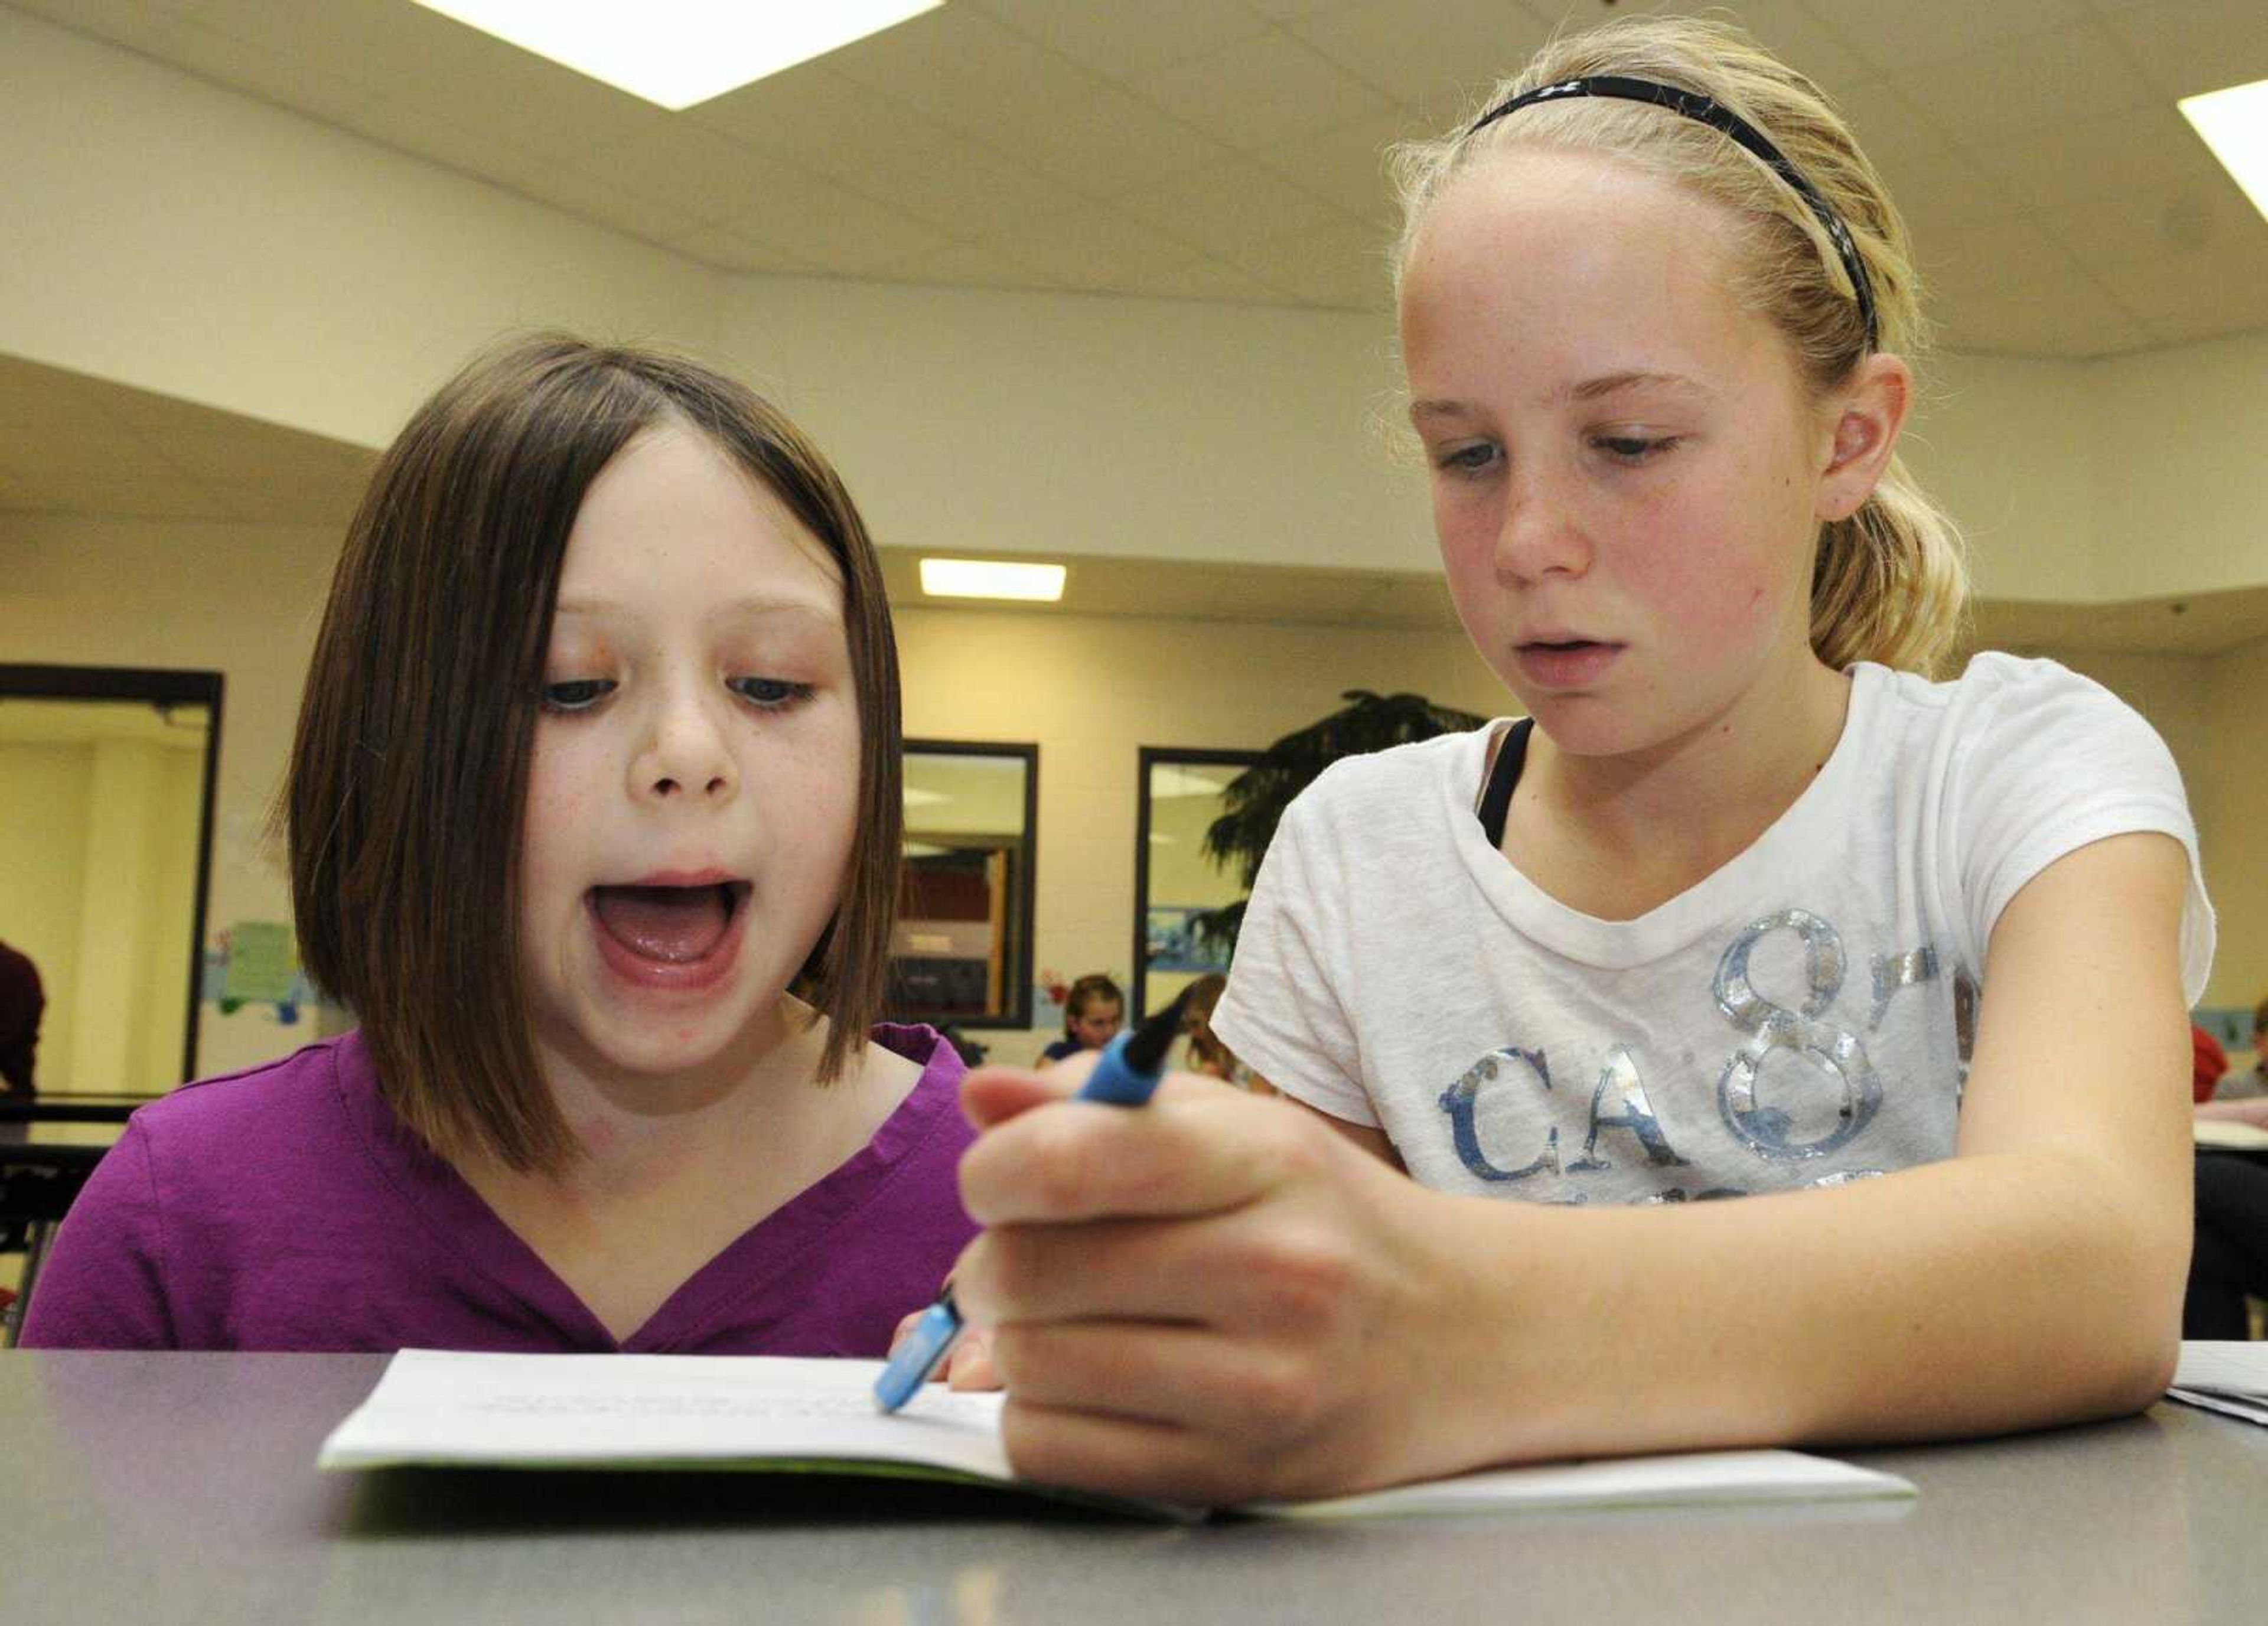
point(1693, 105)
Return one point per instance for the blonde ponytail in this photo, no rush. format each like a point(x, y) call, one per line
point(1889, 584)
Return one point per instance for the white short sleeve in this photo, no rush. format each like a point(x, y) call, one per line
point(1281, 1012)
point(2048, 763)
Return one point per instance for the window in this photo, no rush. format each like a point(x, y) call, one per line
point(1176, 887)
point(962, 951)
point(106, 815)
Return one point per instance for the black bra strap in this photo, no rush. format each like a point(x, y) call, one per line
point(1495, 800)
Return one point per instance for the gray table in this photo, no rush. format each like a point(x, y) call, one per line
point(152, 1488)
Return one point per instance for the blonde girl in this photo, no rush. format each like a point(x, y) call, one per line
point(1823, 1019)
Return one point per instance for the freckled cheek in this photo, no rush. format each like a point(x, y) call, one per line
point(560, 806)
point(810, 797)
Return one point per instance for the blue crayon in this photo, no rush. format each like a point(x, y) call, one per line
point(1131, 1067)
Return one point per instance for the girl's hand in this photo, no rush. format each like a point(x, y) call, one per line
point(1213, 1297)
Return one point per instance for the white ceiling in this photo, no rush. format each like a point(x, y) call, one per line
point(1229, 149)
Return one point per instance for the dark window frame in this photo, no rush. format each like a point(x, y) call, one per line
point(1146, 757)
point(156, 685)
point(1018, 972)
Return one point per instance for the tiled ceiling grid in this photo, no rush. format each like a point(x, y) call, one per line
point(1230, 149)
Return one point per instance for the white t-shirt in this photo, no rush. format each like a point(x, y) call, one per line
point(1801, 1017)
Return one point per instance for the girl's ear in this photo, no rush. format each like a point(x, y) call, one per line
point(1869, 412)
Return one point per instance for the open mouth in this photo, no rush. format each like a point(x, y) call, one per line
point(671, 925)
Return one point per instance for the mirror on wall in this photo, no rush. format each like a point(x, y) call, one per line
point(1175, 883)
point(961, 949)
point(106, 818)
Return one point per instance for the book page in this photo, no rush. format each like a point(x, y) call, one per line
point(2232, 1367)
point(452, 1409)
point(435, 1408)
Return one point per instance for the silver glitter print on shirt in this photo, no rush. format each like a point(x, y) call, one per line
point(1768, 1130)
point(1619, 1083)
point(1893, 972)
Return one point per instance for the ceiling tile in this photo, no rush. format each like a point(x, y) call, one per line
point(381, 45)
point(1099, 141)
point(427, 134)
point(579, 193)
point(728, 250)
point(2231, 283)
point(1342, 266)
point(2070, 317)
point(1002, 123)
point(1088, 246)
point(1443, 57)
point(1118, 39)
point(1992, 256)
point(961, 188)
point(48, 399)
point(2139, 151)
point(2020, 85)
point(834, 230)
point(1204, 278)
point(689, 169)
point(1024, 103)
point(2205, 322)
point(973, 265)
point(1898, 38)
point(2132, 228)
point(1810, 38)
point(1346, 167)
point(535, 106)
point(307, 86)
point(127, 22)
point(1261, 92)
point(1233, 206)
point(821, 121)
point(956, 64)
point(2184, 47)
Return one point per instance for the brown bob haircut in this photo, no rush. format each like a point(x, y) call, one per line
point(408, 779)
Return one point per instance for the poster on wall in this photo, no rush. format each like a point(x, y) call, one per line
point(1172, 943)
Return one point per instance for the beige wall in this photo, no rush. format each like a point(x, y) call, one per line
point(2231, 793)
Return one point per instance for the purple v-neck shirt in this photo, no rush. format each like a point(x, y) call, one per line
point(287, 1208)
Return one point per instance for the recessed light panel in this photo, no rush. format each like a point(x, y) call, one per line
point(2234, 123)
point(675, 53)
point(987, 579)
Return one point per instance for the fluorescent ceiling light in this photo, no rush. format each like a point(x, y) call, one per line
point(2234, 123)
point(679, 51)
point(984, 578)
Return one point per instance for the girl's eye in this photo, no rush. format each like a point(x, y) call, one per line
point(1633, 448)
point(1468, 460)
point(577, 694)
point(769, 694)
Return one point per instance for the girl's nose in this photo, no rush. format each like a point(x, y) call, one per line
point(686, 754)
point(1539, 533)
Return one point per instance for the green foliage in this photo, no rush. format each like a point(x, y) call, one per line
point(1256, 798)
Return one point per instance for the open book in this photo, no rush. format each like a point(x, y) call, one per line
point(759, 1412)
point(2230, 1378)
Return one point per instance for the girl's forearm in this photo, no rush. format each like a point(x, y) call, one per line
point(1973, 1296)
